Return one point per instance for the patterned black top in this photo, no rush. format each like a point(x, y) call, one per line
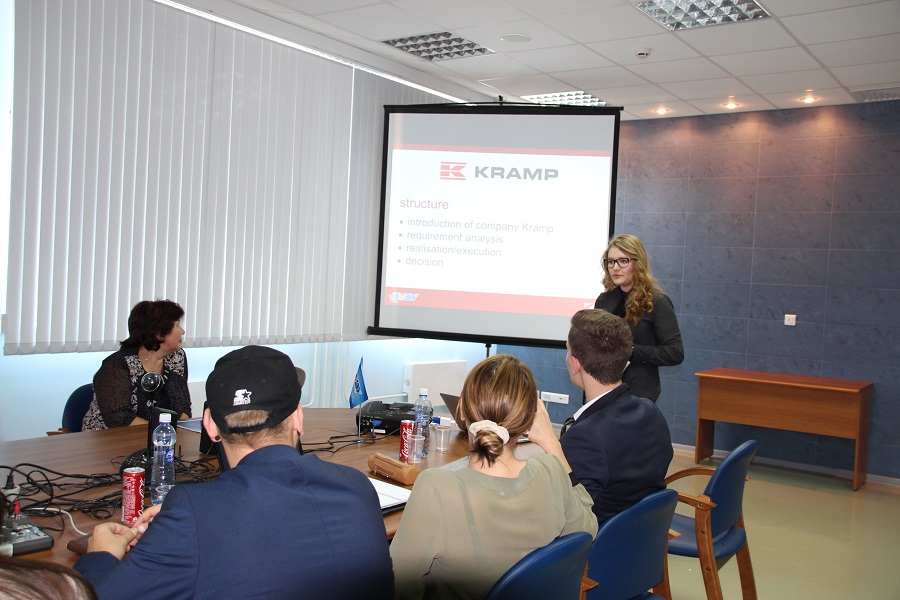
point(118, 397)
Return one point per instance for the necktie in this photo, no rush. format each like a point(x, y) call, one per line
point(566, 424)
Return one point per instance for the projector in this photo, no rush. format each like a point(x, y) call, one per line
point(378, 417)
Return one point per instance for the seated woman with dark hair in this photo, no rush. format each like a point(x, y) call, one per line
point(462, 530)
point(36, 580)
point(153, 346)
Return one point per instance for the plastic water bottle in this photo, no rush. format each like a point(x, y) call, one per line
point(162, 477)
point(424, 412)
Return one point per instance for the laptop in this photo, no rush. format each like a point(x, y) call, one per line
point(452, 403)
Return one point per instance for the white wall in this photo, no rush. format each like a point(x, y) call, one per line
point(36, 387)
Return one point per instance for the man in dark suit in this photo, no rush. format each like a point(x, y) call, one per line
point(619, 445)
point(275, 525)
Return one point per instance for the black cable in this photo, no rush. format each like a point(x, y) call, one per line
point(331, 447)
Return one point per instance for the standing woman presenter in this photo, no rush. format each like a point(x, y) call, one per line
point(153, 345)
point(633, 294)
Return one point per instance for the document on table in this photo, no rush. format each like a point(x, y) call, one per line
point(392, 497)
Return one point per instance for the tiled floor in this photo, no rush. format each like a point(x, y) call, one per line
point(810, 535)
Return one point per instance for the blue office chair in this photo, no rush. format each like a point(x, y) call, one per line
point(716, 533)
point(629, 555)
point(76, 407)
point(553, 571)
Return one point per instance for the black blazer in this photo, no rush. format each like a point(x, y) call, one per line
point(620, 449)
point(657, 341)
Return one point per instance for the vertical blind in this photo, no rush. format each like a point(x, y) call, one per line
point(160, 155)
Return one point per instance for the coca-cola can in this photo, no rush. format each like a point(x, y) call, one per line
point(407, 429)
point(132, 494)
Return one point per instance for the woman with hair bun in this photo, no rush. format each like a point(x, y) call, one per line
point(633, 294)
point(462, 530)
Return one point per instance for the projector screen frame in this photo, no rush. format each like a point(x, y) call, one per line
point(499, 108)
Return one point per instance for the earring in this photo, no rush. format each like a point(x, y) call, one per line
point(217, 439)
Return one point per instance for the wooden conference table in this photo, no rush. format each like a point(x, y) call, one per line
point(92, 452)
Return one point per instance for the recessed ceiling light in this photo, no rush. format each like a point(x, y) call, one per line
point(515, 38)
point(808, 98)
point(438, 46)
point(575, 98)
point(661, 110)
point(687, 14)
point(731, 104)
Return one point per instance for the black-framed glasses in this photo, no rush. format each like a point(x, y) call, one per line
point(622, 262)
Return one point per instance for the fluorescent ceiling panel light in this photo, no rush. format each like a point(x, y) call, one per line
point(566, 98)
point(880, 95)
point(683, 14)
point(438, 46)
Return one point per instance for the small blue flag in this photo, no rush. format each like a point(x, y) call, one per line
point(358, 394)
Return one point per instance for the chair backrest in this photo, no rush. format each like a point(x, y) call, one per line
point(726, 487)
point(77, 406)
point(553, 571)
point(629, 555)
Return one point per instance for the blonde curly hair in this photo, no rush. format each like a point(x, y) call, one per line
point(640, 298)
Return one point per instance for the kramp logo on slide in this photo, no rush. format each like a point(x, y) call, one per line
point(452, 171)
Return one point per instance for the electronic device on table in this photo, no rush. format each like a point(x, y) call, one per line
point(18, 535)
point(378, 417)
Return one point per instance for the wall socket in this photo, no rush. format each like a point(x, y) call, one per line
point(558, 398)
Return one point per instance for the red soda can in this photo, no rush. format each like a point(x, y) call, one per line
point(132, 494)
point(407, 429)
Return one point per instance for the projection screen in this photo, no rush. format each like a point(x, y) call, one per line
point(493, 220)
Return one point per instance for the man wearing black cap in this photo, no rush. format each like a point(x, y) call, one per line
point(275, 525)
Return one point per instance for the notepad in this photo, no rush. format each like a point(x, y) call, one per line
point(392, 497)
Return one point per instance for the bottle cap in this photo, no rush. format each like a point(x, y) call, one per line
point(165, 418)
point(423, 391)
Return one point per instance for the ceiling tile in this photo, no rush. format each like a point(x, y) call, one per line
point(857, 52)
point(543, 8)
point(678, 70)
point(663, 47)
point(845, 24)
point(766, 61)
point(317, 7)
point(746, 103)
point(784, 8)
point(621, 96)
point(528, 85)
point(603, 24)
point(549, 59)
point(599, 78)
point(676, 109)
point(786, 82)
point(542, 36)
point(748, 36)
point(488, 66)
point(825, 98)
point(707, 88)
point(461, 13)
point(379, 22)
point(884, 74)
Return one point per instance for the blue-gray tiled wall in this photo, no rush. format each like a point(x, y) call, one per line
point(753, 215)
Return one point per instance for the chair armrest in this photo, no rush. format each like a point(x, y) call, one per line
point(700, 502)
point(673, 534)
point(707, 471)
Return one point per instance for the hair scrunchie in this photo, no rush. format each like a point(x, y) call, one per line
point(501, 431)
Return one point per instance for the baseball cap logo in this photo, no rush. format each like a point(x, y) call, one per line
point(452, 171)
point(242, 397)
